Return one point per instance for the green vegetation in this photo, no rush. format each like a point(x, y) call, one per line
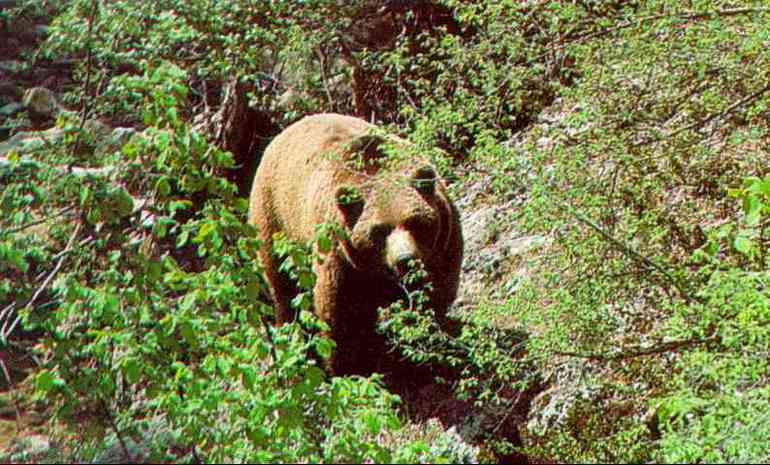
point(634, 133)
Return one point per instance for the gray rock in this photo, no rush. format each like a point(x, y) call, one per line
point(492, 267)
point(155, 439)
point(11, 124)
point(523, 244)
point(37, 444)
point(572, 384)
point(452, 445)
point(104, 138)
point(291, 98)
point(41, 103)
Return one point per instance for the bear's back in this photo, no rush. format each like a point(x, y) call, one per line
point(301, 169)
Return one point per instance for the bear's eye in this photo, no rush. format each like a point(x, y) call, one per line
point(420, 227)
point(379, 232)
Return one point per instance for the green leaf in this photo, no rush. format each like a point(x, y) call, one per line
point(46, 381)
point(132, 370)
point(752, 207)
point(223, 365)
point(205, 231)
point(373, 423)
point(163, 186)
point(183, 237)
point(248, 376)
point(324, 244)
point(188, 333)
point(324, 347)
point(744, 245)
point(306, 280)
point(154, 271)
point(764, 187)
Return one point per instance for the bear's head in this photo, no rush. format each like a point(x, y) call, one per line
point(392, 221)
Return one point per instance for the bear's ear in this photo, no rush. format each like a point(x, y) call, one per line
point(367, 143)
point(424, 180)
point(367, 151)
point(350, 202)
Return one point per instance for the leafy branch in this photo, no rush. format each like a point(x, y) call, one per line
point(7, 329)
point(628, 353)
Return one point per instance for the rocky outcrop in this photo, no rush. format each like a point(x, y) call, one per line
point(494, 247)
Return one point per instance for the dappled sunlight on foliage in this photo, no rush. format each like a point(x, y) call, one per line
point(628, 139)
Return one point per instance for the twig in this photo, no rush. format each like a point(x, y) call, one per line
point(726, 112)
point(193, 449)
point(700, 123)
point(6, 310)
point(324, 77)
point(269, 333)
point(511, 409)
point(82, 243)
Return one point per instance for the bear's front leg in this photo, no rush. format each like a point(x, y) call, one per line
point(325, 297)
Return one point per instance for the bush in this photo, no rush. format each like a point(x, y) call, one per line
point(158, 321)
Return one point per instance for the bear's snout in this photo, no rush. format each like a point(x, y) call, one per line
point(401, 251)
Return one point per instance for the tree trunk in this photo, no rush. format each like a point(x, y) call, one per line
point(241, 130)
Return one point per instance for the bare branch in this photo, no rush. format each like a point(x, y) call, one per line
point(85, 102)
point(114, 426)
point(727, 111)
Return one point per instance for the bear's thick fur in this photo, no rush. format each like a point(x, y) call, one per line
point(326, 168)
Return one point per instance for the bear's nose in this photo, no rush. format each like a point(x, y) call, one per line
point(401, 250)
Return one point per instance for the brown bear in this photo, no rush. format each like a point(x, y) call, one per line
point(330, 168)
